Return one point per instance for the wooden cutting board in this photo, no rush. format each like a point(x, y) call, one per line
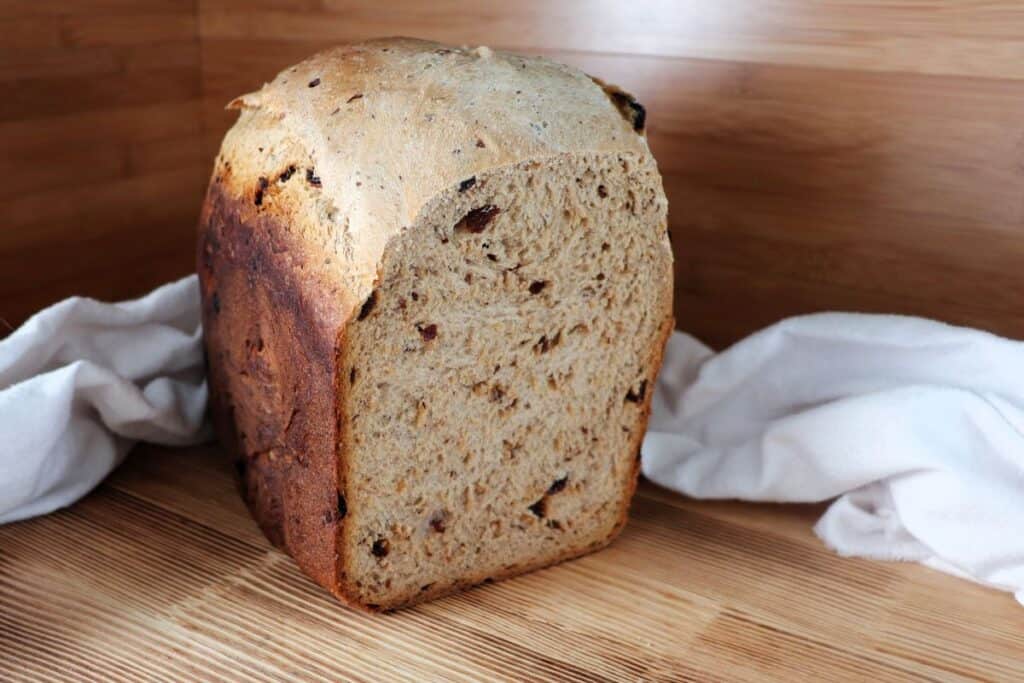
point(160, 574)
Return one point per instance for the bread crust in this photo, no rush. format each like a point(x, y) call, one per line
point(279, 285)
point(272, 360)
point(368, 134)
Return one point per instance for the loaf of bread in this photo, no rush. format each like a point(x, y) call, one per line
point(436, 287)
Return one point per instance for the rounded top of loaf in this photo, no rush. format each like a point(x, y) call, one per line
point(347, 147)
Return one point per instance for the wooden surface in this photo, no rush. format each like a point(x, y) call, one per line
point(162, 575)
point(854, 155)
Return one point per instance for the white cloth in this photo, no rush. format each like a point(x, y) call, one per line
point(81, 381)
point(915, 427)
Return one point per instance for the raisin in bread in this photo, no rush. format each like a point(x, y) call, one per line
point(437, 285)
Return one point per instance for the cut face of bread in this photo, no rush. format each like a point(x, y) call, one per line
point(496, 380)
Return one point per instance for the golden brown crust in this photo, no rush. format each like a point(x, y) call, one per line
point(376, 130)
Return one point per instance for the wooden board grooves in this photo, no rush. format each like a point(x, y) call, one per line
point(690, 591)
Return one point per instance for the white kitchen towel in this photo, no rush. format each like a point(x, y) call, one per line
point(916, 428)
point(81, 381)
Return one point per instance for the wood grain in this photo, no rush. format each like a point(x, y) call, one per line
point(161, 574)
point(100, 148)
point(864, 156)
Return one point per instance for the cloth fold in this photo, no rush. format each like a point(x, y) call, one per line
point(81, 381)
point(913, 427)
point(916, 428)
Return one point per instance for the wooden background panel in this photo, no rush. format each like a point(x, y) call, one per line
point(817, 155)
point(923, 36)
point(100, 148)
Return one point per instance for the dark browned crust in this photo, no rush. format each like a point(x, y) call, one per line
point(657, 356)
point(631, 110)
point(271, 352)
